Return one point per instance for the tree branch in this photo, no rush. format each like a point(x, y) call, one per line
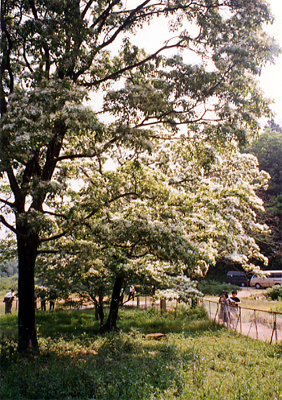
point(11, 227)
point(102, 18)
point(47, 252)
point(53, 151)
point(8, 203)
point(87, 7)
point(58, 236)
point(34, 11)
point(19, 197)
point(116, 74)
point(26, 60)
point(74, 156)
point(55, 214)
point(6, 47)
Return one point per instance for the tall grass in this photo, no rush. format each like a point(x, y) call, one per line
point(196, 360)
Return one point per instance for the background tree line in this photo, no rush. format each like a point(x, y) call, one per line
point(268, 150)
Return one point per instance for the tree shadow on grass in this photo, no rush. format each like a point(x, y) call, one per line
point(123, 366)
point(76, 363)
point(67, 324)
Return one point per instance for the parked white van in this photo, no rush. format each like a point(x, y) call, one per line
point(273, 278)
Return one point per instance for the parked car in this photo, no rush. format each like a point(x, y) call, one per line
point(273, 278)
point(237, 278)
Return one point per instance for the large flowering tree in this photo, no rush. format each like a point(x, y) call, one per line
point(172, 217)
point(55, 53)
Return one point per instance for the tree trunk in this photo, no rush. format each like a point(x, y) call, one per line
point(27, 248)
point(111, 323)
point(96, 309)
point(101, 310)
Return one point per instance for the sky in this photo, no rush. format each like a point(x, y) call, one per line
point(271, 77)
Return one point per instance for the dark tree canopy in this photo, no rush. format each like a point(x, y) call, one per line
point(271, 124)
point(268, 149)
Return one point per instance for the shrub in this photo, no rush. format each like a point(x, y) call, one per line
point(213, 288)
point(275, 292)
point(8, 282)
point(8, 350)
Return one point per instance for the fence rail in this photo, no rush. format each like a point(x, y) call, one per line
point(142, 301)
point(255, 323)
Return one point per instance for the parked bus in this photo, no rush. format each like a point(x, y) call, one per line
point(273, 278)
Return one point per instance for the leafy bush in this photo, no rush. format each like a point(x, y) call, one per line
point(213, 288)
point(275, 292)
point(6, 283)
point(8, 350)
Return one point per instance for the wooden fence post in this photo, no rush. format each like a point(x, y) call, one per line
point(255, 315)
point(274, 329)
point(253, 320)
point(215, 315)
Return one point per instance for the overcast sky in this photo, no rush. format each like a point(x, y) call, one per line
point(271, 77)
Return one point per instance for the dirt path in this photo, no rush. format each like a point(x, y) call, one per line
point(259, 332)
point(256, 320)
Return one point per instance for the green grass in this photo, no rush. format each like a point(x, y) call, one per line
point(197, 360)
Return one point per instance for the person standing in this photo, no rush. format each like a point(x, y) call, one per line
point(234, 297)
point(43, 303)
point(234, 302)
point(153, 290)
point(131, 293)
point(8, 300)
point(224, 311)
point(221, 301)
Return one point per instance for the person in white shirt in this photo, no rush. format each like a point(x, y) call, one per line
point(8, 300)
point(131, 293)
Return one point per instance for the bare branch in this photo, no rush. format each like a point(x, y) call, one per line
point(8, 203)
point(19, 197)
point(87, 7)
point(11, 227)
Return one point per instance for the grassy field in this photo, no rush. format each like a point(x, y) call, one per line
point(196, 360)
